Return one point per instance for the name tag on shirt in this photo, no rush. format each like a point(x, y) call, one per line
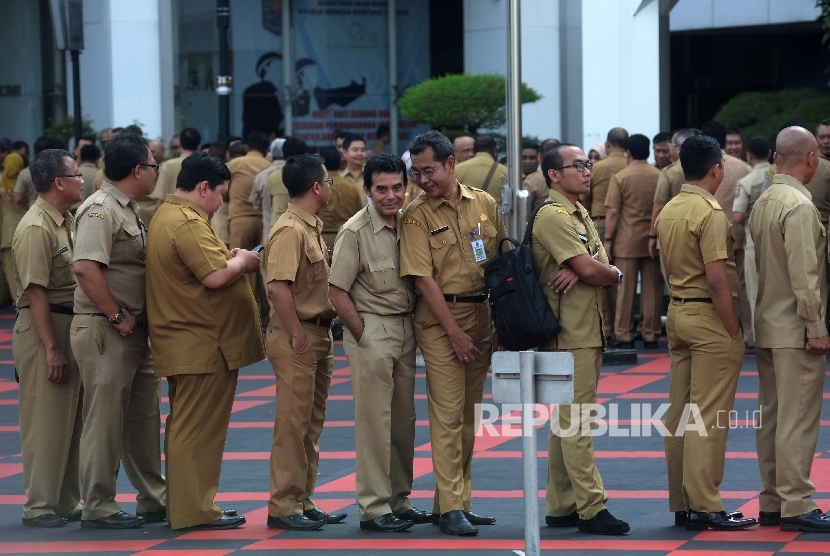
point(478, 250)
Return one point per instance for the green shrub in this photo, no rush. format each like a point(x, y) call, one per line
point(65, 129)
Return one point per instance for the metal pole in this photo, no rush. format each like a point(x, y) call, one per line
point(287, 68)
point(393, 77)
point(514, 105)
point(527, 386)
point(76, 93)
point(223, 22)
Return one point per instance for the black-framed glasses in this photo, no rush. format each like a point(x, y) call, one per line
point(579, 166)
point(415, 175)
point(155, 167)
point(329, 181)
point(78, 175)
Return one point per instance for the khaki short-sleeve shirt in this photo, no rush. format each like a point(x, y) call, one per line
point(194, 328)
point(631, 191)
point(357, 182)
point(474, 173)
point(344, 203)
point(669, 184)
point(110, 232)
point(42, 249)
point(88, 170)
point(562, 231)
point(601, 176)
point(26, 187)
point(279, 196)
point(535, 184)
point(166, 180)
point(693, 232)
point(436, 240)
point(296, 253)
point(733, 170)
point(366, 263)
point(819, 188)
point(791, 255)
point(243, 170)
point(750, 187)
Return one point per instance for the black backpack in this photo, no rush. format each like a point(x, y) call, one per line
point(521, 312)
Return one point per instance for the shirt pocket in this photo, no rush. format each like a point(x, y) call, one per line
point(318, 271)
point(62, 269)
point(489, 236)
point(443, 248)
point(382, 276)
point(131, 244)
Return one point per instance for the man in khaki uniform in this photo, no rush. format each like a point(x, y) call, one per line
point(354, 156)
point(747, 192)
point(705, 342)
point(565, 242)
point(260, 193)
point(661, 145)
point(89, 167)
point(531, 157)
point(199, 345)
point(299, 345)
point(792, 340)
point(24, 190)
point(345, 199)
point(109, 338)
point(450, 235)
point(276, 188)
point(627, 221)
point(376, 306)
point(482, 171)
point(189, 140)
point(534, 183)
point(734, 143)
point(463, 148)
point(50, 384)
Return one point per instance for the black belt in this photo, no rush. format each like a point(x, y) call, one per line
point(59, 309)
point(480, 298)
point(319, 322)
point(692, 300)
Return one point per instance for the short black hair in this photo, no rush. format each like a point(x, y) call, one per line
point(199, 167)
point(825, 121)
point(294, 146)
point(340, 134)
point(237, 149)
point(301, 172)
point(484, 144)
point(549, 144)
point(638, 145)
point(40, 144)
point(734, 132)
point(233, 139)
point(758, 147)
point(331, 157)
point(351, 138)
point(123, 153)
point(383, 163)
point(17, 145)
point(553, 159)
point(55, 143)
point(438, 142)
point(258, 141)
point(5, 145)
point(90, 153)
point(530, 145)
point(134, 129)
point(383, 129)
point(662, 137)
point(47, 166)
point(218, 149)
point(716, 130)
point(189, 139)
point(697, 156)
point(618, 137)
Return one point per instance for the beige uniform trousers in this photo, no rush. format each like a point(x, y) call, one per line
point(50, 421)
point(7, 262)
point(303, 382)
point(751, 279)
point(790, 399)
point(194, 441)
point(246, 233)
point(744, 309)
point(705, 365)
point(121, 416)
point(454, 390)
point(651, 297)
point(574, 483)
point(383, 383)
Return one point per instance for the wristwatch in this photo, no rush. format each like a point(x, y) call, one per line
point(118, 317)
point(619, 276)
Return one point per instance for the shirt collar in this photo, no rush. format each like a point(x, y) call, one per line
point(792, 182)
point(616, 153)
point(305, 216)
point(53, 213)
point(466, 193)
point(483, 154)
point(689, 188)
point(379, 222)
point(119, 196)
point(255, 154)
point(89, 165)
point(176, 200)
point(559, 197)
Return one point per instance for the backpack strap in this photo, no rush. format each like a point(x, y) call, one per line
point(490, 175)
point(529, 229)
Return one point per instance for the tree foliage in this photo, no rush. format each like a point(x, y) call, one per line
point(461, 101)
point(65, 129)
point(764, 113)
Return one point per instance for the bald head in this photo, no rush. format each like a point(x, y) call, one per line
point(616, 140)
point(795, 153)
point(157, 148)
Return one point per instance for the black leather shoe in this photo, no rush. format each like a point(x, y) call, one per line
point(435, 518)
point(317, 514)
point(719, 521)
point(476, 519)
point(767, 519)
point(569, 520)
point(120, 520)
point(811, 522)
point(73, 517)
point(387, 523)
point(153, 517)
point(650, 344)
point(622, 344)
point(416, 516)
point(603, 524)
point(224, 522)
point(456, 523)
point(49, 521)
point(680, 517)
point(296, 522)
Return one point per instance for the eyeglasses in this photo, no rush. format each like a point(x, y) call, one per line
point(415, 175)
point(329, 181)
point(79, 176)
point(155, 167)
point(579, 166)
